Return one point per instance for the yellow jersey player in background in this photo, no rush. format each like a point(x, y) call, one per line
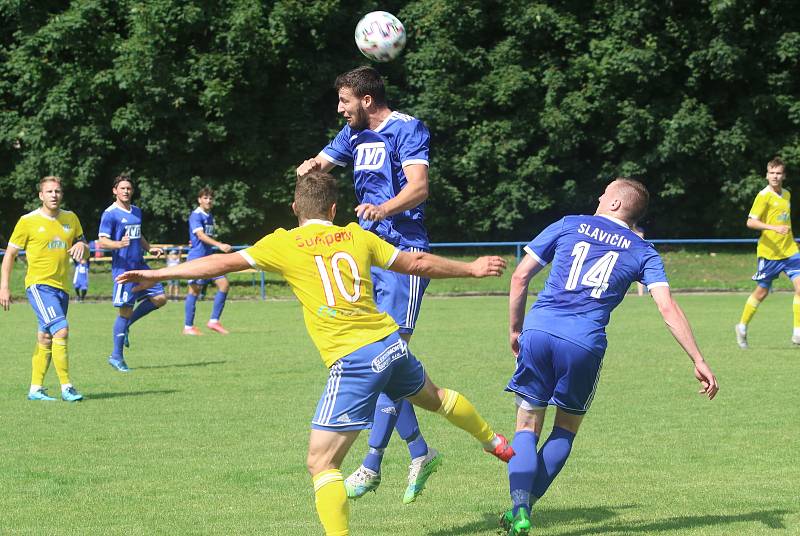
point(777, 251)
point(328, 269)
point(51, 238)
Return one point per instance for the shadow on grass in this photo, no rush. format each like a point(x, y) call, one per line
point(602, 519)
point(180, 365)
point(119, 394)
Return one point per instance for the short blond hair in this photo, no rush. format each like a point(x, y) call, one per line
point(49, 178)
point(636, 197)
point(314, 194)
point(776, 162)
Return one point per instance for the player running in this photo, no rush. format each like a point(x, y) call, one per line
point(328, 269)
point(121, 232)
point(201, 236)
point(777, 251)
point(50, 237)
point(389, 153)
point(560, 345)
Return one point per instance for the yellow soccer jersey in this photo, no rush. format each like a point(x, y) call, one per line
point(328, 268)
point(774, 209)
point(46, 241)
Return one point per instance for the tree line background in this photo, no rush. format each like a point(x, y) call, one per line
point(533, 106)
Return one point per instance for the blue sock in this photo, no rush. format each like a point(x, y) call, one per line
point(407, 427)
point(382, 428)
point(141, 310)
point(120, 325)
point(219, 305)
point(552, 457)
point(191, 302)
point(522, 468)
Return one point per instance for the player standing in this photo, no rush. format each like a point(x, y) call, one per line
point(121, 232)
point(201, 236)
point(328, 269)
point(777, 251)
point(389, 153)
point(80, 279)
point(560, 345)
point(50, 236)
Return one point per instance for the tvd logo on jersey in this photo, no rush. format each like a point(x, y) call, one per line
point(369, 156)
point(133, 231)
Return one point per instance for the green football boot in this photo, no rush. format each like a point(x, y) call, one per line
point(360, 482)
point(418, 472)
point(518, 525)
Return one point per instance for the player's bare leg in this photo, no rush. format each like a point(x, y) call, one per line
point(326, 450)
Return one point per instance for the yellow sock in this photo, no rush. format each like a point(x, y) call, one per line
point(330, 498)
point(40, 362)
point(796, 311)
point(460, 411)
point(749, 310)
point(60, 360)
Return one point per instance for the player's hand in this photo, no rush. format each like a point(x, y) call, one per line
point(5, 298)
point(125, 242)
point(490, 265)
point(781, 229)
point(708, 382)
point(78, 251)
point(370, 212)
point(514, 340)
point(158, 252)
point(145, 278)
point(225, 248)
point(308, 166)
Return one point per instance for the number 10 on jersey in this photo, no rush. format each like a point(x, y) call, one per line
point(345, 293)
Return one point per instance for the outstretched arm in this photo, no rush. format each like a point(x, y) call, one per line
point(203, 268)
point(679, 326)
point(436, 267)
point(518, 297)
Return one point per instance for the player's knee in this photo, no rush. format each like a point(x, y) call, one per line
point(45, 339)
point(194, 290)
point(159, 301)
point(62, 333)
point(223, 285)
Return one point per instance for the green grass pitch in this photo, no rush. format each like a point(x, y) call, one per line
point(207, 436)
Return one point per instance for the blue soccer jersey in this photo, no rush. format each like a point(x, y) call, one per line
point(594, 261)
point(117, 222)
point(199, 220)
point(378, 157)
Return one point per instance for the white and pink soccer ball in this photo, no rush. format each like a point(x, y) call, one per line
point(380, 36)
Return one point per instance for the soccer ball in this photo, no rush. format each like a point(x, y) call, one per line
point(380, 36)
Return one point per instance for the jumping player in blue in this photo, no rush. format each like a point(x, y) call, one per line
point(121, 232)
point(201, 237)
point(389, 154)
point(560, 345)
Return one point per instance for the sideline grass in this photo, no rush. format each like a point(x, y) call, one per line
point(208, 435)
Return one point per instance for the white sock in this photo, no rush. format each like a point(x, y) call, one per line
point(34, 388)
point(65, 387)
point(213, 321)
point(491, 445)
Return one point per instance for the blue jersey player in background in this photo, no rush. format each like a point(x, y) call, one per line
point(80, 279)
point(560, 344)
point(201, 237)
point(121, 232)
point(389, 154)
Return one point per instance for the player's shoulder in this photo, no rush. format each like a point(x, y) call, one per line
point(110, 208)
point(33, 213)
point(401, 122)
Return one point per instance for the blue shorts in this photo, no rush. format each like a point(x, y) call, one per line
point(554, 371)
point(124, 296)
point(50, 305)
point(356, 380)
point(769, 270)
point(400, 295)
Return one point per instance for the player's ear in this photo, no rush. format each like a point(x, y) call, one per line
point(332, 212)
point(294, 209)
point(366, 101)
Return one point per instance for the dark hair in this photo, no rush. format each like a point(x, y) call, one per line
point(636, 196)
point(363, 81)
point(205, 191)
point(122, 177)
point(314, 194)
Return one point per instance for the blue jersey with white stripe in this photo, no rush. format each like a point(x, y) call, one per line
point(378, 157)
point(117, 222)
point(594, 261)
point(199, 220)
